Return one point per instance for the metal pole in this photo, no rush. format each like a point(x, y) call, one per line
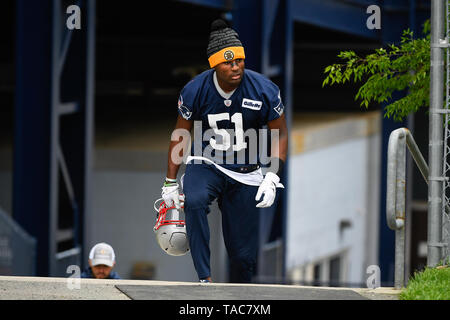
point(400, 213)
point(89, 126)
point(435, 134)
point(54, 136)
point(446, 167)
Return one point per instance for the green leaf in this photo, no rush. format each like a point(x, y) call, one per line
point(394, 68)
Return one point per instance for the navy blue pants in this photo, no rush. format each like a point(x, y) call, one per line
point(240, 219)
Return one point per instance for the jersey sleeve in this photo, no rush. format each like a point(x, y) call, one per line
point(274, 104)
point(186, 102)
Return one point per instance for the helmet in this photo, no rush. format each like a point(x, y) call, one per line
point(170, 229)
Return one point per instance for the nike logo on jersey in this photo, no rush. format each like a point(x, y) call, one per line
point(251, 104)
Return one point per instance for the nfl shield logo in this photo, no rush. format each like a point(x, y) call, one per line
point(227, 102)
point(183, 110)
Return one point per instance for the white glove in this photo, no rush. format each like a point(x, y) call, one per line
point(269, 189)
point(171, 195)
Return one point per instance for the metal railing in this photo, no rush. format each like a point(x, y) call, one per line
point(437, 176)
point(396, 192)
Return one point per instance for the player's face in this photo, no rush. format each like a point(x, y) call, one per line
point(230, 73)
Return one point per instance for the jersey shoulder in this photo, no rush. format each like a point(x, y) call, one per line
point(192, 92)
point(262, 84)
point(268, 92)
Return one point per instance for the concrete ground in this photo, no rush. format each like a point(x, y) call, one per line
point(41, 288)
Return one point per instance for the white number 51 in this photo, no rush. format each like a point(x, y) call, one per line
point(226, 138)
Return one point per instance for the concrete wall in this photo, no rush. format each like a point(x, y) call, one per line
point(334, 194)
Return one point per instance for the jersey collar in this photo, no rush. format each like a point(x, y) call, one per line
point(222, 93)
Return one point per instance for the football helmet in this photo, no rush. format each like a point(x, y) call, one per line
point(170, 228)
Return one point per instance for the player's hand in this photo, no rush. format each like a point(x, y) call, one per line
point(268, 189)
point(171, 194)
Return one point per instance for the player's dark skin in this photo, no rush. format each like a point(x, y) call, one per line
point(229, 74)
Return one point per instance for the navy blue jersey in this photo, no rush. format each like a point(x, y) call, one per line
point(229, 129)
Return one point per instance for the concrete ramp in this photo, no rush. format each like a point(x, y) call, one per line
point(42, 288)
point(235, 292)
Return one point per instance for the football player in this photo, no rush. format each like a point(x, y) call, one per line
point(232, 106)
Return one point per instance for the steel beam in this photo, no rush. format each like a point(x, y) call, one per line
point(53, 125)
point(31, 179)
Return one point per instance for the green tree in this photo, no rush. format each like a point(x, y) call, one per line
point(396, 68)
